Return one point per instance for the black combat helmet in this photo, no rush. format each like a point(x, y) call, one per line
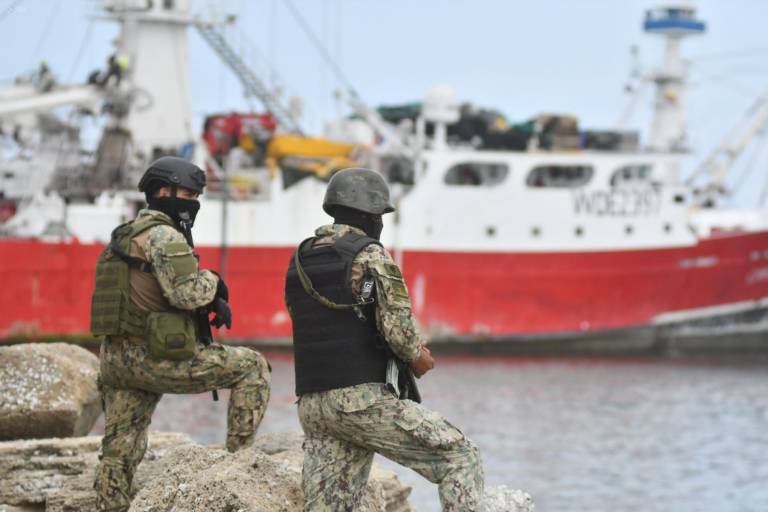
point(360, 189)
point(175, 172)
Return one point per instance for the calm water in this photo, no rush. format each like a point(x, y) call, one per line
point(578, 434)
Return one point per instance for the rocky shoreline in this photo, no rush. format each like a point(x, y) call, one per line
point(56, 475)
point(49, 401)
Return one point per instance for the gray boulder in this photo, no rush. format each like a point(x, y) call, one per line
point(56, 475)
point(47, 390)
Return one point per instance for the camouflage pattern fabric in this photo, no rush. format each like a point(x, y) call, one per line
point(175, 267)
point(132, 384)
point(343, 429)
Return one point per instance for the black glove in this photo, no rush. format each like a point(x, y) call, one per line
point(222, 314)
point(222, 292)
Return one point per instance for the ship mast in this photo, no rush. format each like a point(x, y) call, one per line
point(674, 23)
point(153, 43)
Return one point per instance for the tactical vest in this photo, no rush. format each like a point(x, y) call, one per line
point(333, 347)
point(112, 311)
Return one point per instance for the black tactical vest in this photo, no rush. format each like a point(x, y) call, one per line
point(333, 348)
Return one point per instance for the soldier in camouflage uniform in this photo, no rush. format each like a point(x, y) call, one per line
point(341, 336)
point(148, 285)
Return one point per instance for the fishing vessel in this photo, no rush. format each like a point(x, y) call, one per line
point(533, 234)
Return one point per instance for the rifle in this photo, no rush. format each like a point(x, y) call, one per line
point(204, 333)
point(400, 379)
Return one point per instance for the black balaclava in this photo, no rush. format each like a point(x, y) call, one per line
point(368, 222)
point(181, 211)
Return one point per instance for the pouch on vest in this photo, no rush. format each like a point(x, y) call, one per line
point(171, 336)
point(112, 312)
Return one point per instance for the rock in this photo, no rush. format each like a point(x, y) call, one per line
point(277, 442)
point(47, 390)
point(504, 499)
point(176, 474)
point(59, 472)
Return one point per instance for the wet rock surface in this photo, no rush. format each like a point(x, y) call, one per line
point(56, 475)
point(47, 390)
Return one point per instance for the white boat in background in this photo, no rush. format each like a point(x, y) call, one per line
point(565, 238)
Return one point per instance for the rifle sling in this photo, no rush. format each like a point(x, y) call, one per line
point(306, 283)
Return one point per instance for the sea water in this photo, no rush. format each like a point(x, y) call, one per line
point(578, 434)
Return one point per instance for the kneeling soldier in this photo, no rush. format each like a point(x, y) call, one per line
point(352, 320)
point(152, 303)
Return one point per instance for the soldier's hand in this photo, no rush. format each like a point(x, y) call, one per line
point(423, 363)
point(222, 314)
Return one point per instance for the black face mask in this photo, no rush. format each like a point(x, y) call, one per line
point(368, 222)
point(376, 226)
point(181, 211)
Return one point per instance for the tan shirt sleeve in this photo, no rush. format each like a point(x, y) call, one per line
point(394, 318)
point(175, 267)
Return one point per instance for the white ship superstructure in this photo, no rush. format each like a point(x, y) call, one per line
point(557, 236)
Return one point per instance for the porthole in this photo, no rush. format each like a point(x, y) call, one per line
point(535, 231)
point(628, 230)
point(578, 231)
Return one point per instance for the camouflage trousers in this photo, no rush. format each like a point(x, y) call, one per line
point(132, 384)
point(343, 428)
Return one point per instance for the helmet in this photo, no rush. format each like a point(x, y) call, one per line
point(360, 189)
point(175, 172)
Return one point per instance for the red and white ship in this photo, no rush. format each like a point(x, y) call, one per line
point(553, 241)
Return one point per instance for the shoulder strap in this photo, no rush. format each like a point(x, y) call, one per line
point(130, 230)
point(142, 224)
point(352, 243)
point(306, 283)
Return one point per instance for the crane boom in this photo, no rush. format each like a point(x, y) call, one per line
point(84, 95)
point(726, 153)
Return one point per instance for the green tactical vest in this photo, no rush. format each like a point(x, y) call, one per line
point(112, 311)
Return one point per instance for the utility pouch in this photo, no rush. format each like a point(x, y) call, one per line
point(171, 336)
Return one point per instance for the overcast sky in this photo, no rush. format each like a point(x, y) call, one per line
point(522, 57)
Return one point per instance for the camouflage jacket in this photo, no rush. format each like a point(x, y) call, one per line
point(181, 281)
point(393, 303)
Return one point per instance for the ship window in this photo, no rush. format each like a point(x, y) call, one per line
point(560, 176)
point(630, 175)
point(398, 170)
point(477, 174)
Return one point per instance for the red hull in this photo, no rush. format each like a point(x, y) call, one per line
point(46, 287)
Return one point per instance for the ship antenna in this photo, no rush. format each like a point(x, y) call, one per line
point(674, 23)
